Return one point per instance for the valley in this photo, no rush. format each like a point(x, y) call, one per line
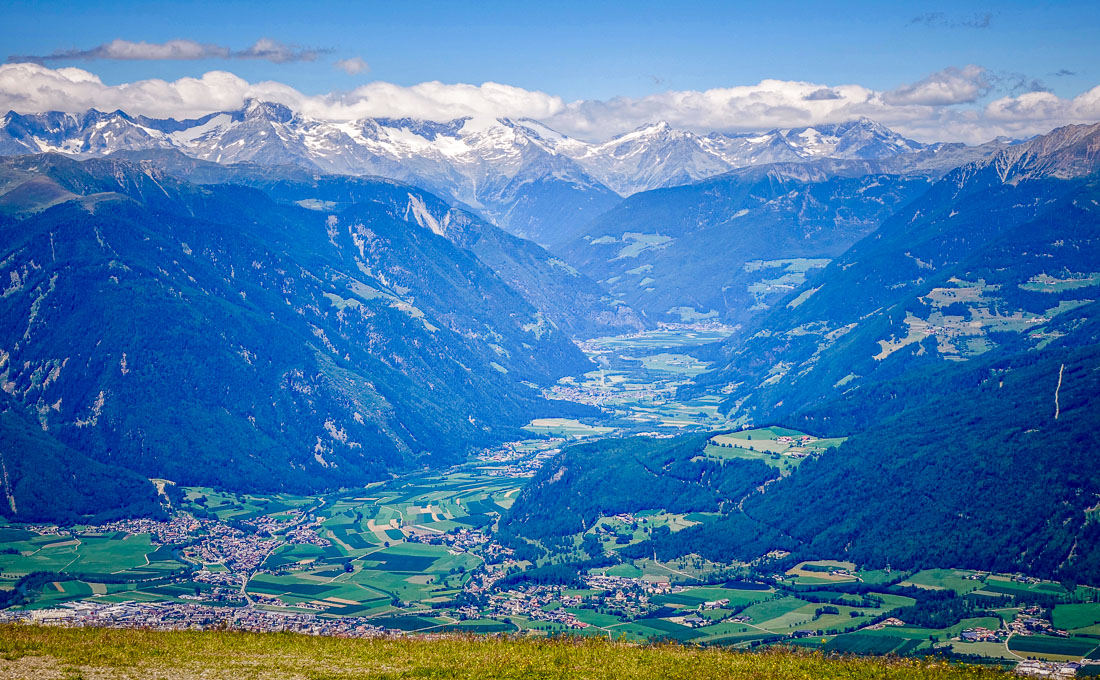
point(418, 555)
point(818, 391)
point(637, 377)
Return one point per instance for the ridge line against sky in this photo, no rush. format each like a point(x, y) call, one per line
point(967, 71)
point(939, 107)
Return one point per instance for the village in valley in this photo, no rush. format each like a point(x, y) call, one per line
point(421, 555)
point(417, 557)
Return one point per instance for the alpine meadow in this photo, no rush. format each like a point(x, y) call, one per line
point(567, 340)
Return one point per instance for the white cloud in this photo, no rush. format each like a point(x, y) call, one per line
point(353, 66)
point(1022, 111)
point(178, 50)
point(435, 101)
point(942, 88)
point(29, 87)
point(768, 104)
point(275, 51)
point(937, 108)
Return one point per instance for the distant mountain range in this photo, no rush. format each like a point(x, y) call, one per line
point(522, 175)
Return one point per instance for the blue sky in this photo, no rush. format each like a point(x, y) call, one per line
point(586, 50)
point(606, 52)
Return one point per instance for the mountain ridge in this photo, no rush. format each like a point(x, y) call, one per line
point(935, 282)
point(521, 174)
point(207, 334)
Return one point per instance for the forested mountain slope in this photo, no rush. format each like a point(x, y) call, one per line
point(730, 247)
point(44, 480)
point(544, 279)
point(987, 259)
point(591, 480)
point(958, 348)
point(994, 469)
point(209, 335)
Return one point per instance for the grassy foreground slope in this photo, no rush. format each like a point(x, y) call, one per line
point(46, 653)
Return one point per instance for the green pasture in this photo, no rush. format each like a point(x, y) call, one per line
point(565, 427)
point(945, 579)
point(132, 556)
point(1071, 616)
point(1052, 647)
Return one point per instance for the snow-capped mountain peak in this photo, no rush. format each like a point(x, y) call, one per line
point(487, 163)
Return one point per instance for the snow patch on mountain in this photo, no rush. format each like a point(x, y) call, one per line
point(498, 166)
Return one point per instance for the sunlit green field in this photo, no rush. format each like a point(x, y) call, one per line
point(83, 553)
point(948, 579)
point(639, 375)
point(565, 427)
point(97, 560)
point(771, 445)
point(372, 567)
point(241, 507)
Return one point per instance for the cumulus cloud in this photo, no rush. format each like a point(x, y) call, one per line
point(1043, 107)
point(950, 86)
point(353, 66)
point(941, 107)
point(30, 87)
point(177, 50)
point(765, 105)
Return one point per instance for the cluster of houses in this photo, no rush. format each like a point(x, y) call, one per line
point(483, 578)
point(627, 598)
point(803, 440)
point(623, 584)
point(979, 634)
point(529, 602)
point(1047, 669)
point(891, 621)
point(457, 540)
point(174, 616)
point(1029, 621)
point(695, 620)
point(178, 529)
point(601, 395)
point(273, 524)
point(464, 540)
point(237, 550)
point(508, 462)
point(306, 534)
